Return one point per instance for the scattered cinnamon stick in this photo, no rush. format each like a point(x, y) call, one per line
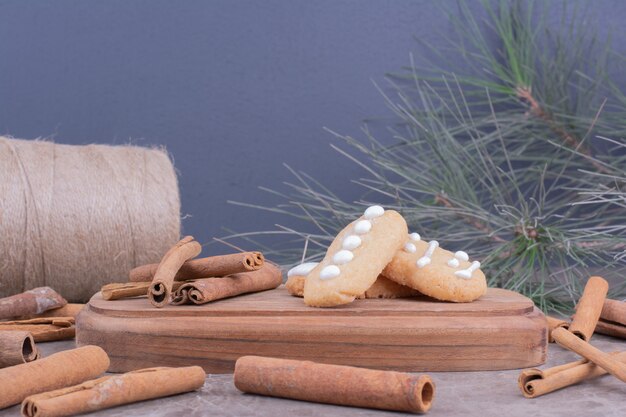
point(16, 348)
point(614, 311)
point(586, 350)
point(118, 291)
point(160, 290)
point(536, 382)
point(111, 391)
point(205, 290)
point(611, 329)
point(589, 308)
point(554, 323)
point(44, 329)
point(58, 370)
point(68, 310)
point(213, 266)
point(30, 302)
point(334, 384)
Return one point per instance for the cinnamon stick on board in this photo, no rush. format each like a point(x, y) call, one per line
point(213, 266)
point(584, 349)
point(160, 289)
point(58, 370)
point(334, 384)
point(44, 329)
point(202, 291)
point(16, 348)
point(68, 310)
point(118, 291)
point(34, 301)
point(554, 323)
point(536, 382)
point(111, 391)
point(614, 310)
point(589, 308)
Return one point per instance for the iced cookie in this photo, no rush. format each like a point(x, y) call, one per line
point(381, 288)
point(437, 272)
point(355, 258)
point(296, 277)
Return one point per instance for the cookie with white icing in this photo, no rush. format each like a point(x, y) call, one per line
point(296, 277)
point(355, 258)
point(437, 272)
point(381, 288)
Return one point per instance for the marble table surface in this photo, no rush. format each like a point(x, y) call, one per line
point(467, 394)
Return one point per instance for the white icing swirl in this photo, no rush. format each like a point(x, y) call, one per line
point(362, 226)
point(453, 263)
point(467, 273)
point(425, 260)
point(409, 247)
point(461, 256)
point(351, 242)
point(343, 257)
point(330, 272)
point(415, 237)
point(373, 212)
point(302, 269)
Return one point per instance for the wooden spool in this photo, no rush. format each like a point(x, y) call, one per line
point(502, 330)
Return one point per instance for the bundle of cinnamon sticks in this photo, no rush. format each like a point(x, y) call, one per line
point(41, 312)
point(181, 279)
point(593, 308)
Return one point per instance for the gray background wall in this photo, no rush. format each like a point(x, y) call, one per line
point(232, 88)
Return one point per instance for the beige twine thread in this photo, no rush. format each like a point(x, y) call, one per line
point(77, 217)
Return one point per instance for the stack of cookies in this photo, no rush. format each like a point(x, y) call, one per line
point(376, 257)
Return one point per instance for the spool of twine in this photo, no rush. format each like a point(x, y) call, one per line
point(77, 217)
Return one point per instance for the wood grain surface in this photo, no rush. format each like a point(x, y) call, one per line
point(502, 330)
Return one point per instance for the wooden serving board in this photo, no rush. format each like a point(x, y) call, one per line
point(502, 330)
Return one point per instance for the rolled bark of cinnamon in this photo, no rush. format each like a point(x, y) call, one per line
point(68, 310)
point(205, 290)
point(30, 302)
point(160, 290)
point(554, 323)
point(17, 347)
point(111, 391)
point(118, 291)
point(589, 308)
point(58, 370)
point(614, 311)
point(611, 329)
point(334, 384)
point(584, 349)
point(535, 382)
point(44, 329)
point(213, 266)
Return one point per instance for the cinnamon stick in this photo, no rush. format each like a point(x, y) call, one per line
point(34, 301)
point(213, 266)
point(160, 290)
point(614, 311)
point(334, 384)
point(536, 382)
point(611, 329)
point(68, 310)
point(205, 290)
point(586, 350)
point(16, 348)
point(589, 308)
point(44, 329)
point(554, 323)
point(58, 370)
point(111, 391)
point(118, 291)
